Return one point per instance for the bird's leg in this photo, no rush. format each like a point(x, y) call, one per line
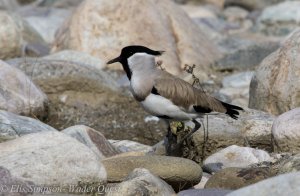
point(170, 141)
point(176, 129)
point(197, 126)
point(205, 139)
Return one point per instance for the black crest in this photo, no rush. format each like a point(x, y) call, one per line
point(128, 51)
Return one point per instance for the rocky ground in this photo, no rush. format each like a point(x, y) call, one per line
point(69, 125)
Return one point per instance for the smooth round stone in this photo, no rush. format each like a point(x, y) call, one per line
point(235, 178)
point(177, 172)
point(141, 181)
point(286, 131)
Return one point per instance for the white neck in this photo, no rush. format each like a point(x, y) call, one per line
point(141, 62)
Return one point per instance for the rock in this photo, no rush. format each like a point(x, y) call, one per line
point(204, 179)
point(8, 182)
point(81, 94)
point(166, 27)
point(25, 2)
point(16, 35)
point(196, 11)
point(218, 3)
point(77, 57)
point(130, 146)
point(252, 129)
point(48, 23)
point(142, 182)
point(19, 94)
point(252, 4)
point(235, 93)
point(286, 131)
point(92, 139)
point(287, 184)
point(60, 4)
point(214, 27)
point(280, 19)
point(239, 96)
point(177, 172)
point(52, 159)
point(275, 86)
point(10, 5)
point(236, 87)
point(276, 164)
point(238, 80)
point(239, 16)
point(235, 13)
point(130, 154)
point(204, 192)
point(235, 156)
point(291, 164)
point(244, 51)
point(13, 126)
point(235, 178)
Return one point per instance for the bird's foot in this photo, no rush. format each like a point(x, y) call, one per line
point(187, 136)
point(177, 131)
point(170, 141)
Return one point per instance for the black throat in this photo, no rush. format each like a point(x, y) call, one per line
point(126, 68)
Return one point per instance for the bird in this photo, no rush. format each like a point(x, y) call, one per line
point(164, 95)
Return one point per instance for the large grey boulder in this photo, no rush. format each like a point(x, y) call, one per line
point(52, 159)
point(165, 27)
point(18, 94)
point(275, 87)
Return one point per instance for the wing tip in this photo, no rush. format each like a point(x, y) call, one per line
point(232, 110)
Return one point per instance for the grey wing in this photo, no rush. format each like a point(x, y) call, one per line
point(185, 95)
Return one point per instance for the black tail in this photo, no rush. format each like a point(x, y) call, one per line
point(232, 110)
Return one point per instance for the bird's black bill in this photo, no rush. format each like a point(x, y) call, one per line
point(115, 60)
